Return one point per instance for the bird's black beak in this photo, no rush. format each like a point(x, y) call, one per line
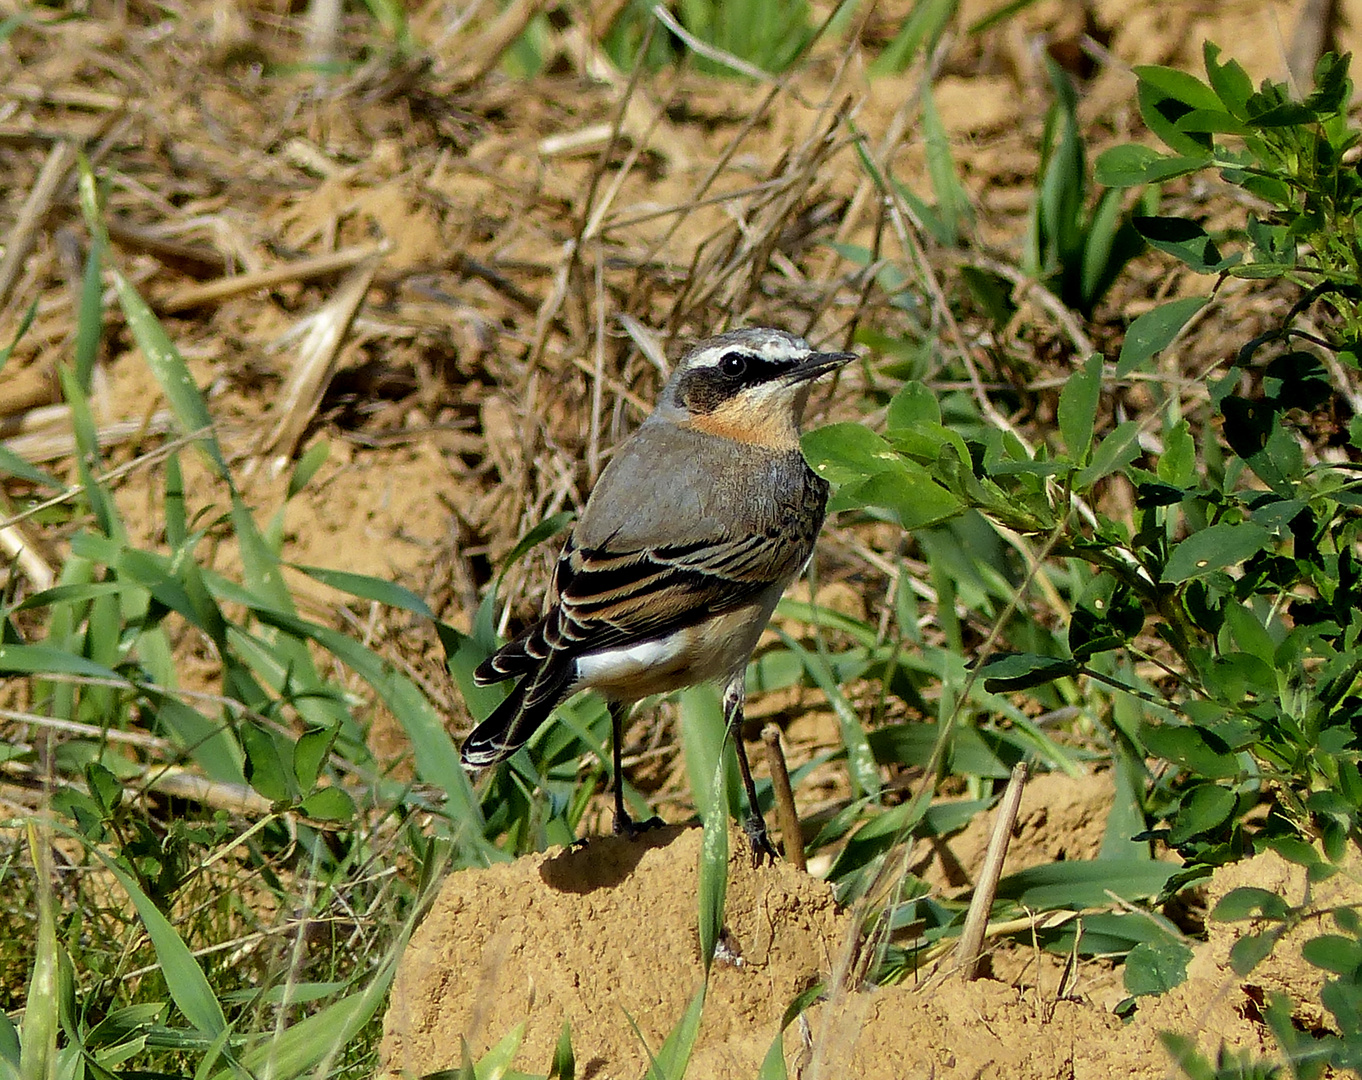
point(817, 364)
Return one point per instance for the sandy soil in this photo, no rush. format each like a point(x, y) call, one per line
point(603, 936)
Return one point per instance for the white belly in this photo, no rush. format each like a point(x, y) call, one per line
point(703, 653)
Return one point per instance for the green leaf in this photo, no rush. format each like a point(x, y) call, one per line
point(773, 1066)
point(368, 588)
point(1250, 950)
point(1005, 672)
point(1177, 463)
point(24, 324)
point(1132, 164)
point(295, 1050)
point(1192, 747)
point(847, 453)
point(913, 407)
point(310, 753)
point(1333, 952)
point(90, 315)
point(1229, 81)
point(496, 1063)
point(550, 527)
point(1156, 967)
point(183, 976)
point(564, 1065)
point(1116, 450)
point(1078, 408)
point(704, 744)
point(1212, 122)
point(312, 460)
point(11, 464)
point(1155, 330)
point(433, 752)
point(865, 773)
point(1125, 166)
point(952, 201)
point(1086, 883)
point(1178, 85)
point(1204, 808)
point(905, 489)
point(1214, 548)
point(329, 804)
point(49, 660)
point(265, 770)
point(1250, 902)
point(919, 33)
point(1184, 239)
point(674, 1056)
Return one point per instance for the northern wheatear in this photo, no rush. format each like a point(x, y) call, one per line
point(694, 529)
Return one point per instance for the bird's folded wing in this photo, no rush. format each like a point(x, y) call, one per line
point(608, 598)
point(611, 598)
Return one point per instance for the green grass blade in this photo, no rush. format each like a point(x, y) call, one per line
point(24, 324)
point(437, 759)
point(704, 745)
point(773, 1066)
point(90, 315)
point(713, 871)
point(170, 371)
point(865, 772)
point(300, 1047)
point(38, 1043)
point(367, 587)
point(87, 444)
point(49, 660)
point(496, 1063)
point(674, 1056)
point(11, 464)
point(952, 201)
point(313, 459)
point(184, 978)
point(564, 1065)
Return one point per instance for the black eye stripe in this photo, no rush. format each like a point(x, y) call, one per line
point(705, 388)
point(748, 369)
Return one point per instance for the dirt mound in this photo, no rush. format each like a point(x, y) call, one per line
point(604, 936)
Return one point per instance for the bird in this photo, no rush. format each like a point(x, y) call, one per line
point(693, 530)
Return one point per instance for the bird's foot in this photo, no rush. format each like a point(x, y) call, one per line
point(627, 827)
point(758, 839)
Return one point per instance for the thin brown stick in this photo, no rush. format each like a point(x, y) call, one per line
point(302, 270)
point(786, 815)
point(318, 357)
point(976, 920)
point(492, 43)
point(60, 160)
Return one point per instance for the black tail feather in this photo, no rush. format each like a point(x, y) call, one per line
point(512, 722)
point(517, 657)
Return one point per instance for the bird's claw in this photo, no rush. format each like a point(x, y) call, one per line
point(627, 827)
point(758, 840)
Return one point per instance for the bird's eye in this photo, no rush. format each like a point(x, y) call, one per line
point(733, 364)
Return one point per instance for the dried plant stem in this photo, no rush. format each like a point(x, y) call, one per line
point(976, 920)
point(786, 816)
point(60, 160)
point(302, 270)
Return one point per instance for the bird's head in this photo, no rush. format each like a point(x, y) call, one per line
point(749, 385)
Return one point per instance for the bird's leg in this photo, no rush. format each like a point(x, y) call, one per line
point(624, 825)
point(735, 694)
